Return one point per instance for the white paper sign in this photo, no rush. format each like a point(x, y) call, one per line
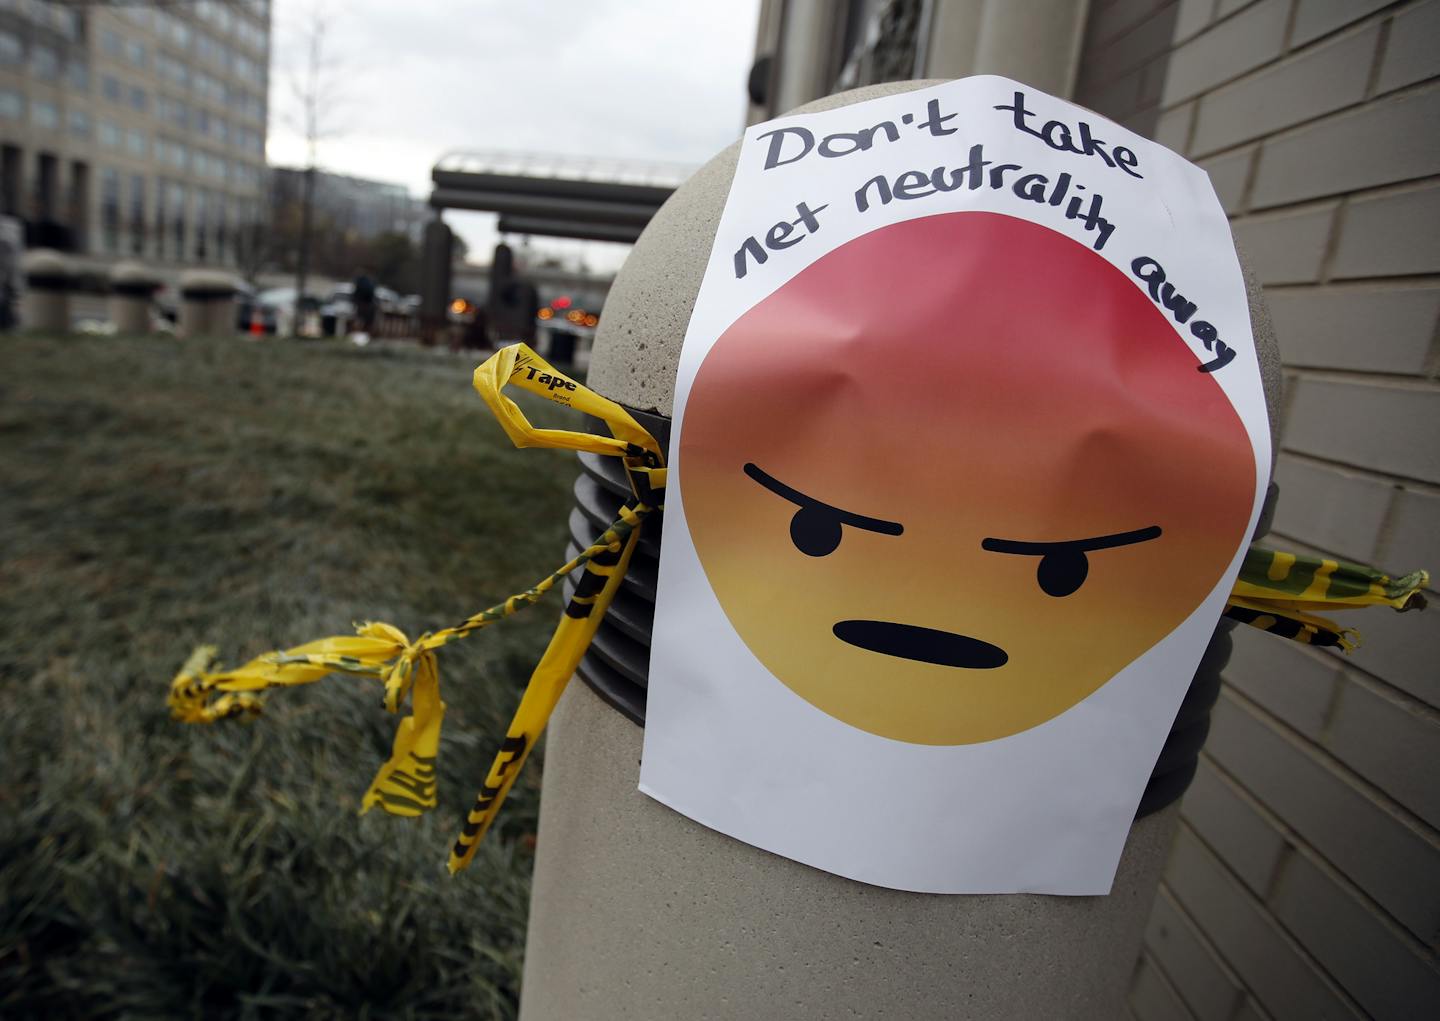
point(969, 441)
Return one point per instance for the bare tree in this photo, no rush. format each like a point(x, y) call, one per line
point(314, 87)
point(254, 240)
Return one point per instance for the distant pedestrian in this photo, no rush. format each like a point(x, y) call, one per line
point(363, 297)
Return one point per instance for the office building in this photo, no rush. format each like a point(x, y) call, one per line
point(135, 130)
point(362, 208)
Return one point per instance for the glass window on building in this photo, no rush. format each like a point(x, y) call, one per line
point(110, 43)
point(135, 53)
point(250, 34)
point(110, 87)
point(12, 50)
point(202, 222)
point(44, 114)
point(136, 144)
point(64, 20)
point(77, 75)
point(246, 232)
point(180, 33)
point(211, 51)
point(12, 104)
point(138, 13)
point(222, 231)
point(247, 69)
point(138, 98)
point(175, 154)
point(175, 202)
point(173, 112)
point(209, 88)
point(215, 13)
point(109, 133)
point(137, 214)
point(79, 123)
point(44, 63)
point(110, 209)
point(173, 70)
point(160, 235)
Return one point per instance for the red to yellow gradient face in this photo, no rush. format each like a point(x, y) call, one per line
point(957, 474)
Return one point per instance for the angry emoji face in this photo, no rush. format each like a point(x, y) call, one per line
point(955, 475)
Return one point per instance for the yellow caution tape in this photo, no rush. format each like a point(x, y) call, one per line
point(405, 785)
point(1278, 592)
point(1275, 591)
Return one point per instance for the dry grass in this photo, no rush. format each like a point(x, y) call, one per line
point(158, 494)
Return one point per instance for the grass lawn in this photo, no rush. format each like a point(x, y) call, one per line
point(156, 494)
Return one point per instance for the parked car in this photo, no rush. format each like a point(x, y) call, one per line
point(342, 300)
point(341, 305)
point(249, 307)
point(282, 299)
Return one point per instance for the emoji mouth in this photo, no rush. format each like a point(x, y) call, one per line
point(926, 645)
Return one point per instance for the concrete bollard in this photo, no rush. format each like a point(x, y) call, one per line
point(132, 290)
point(207, 303)
point(49, 283)
point(638, 912)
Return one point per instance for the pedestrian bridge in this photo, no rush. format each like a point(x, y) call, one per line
point(557, 196)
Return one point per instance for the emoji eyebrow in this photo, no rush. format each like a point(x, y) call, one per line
point(1041, 549)
point(802, 501)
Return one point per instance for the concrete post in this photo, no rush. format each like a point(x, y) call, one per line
point(132, 289)
point(207, 303)
point(49, 282)
point(435, 270)
point(808, 47)
point(640, 913)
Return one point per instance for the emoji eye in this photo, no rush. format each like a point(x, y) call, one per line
point(815, 532)
point(816, 528)
point(1064, 566)
point(1063, 572)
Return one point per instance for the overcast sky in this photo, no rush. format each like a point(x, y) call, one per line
point(635, 79)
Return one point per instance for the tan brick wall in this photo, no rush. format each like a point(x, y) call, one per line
point(1305, 880)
